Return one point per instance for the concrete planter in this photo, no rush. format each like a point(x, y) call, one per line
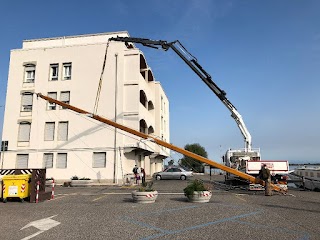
point(144, 197)
point(49, 183)
point(81, 183)
point(200, 196)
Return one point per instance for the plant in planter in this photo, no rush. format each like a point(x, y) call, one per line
point(84, 178)
point(198, 191)
point(80, 182)
point(145, 193)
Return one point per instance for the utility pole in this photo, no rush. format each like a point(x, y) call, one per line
point(115, 175)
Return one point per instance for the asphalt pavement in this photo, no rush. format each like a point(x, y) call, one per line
point(108, 212)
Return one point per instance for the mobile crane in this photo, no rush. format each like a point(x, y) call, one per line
point(239, 159)
point(247, 154)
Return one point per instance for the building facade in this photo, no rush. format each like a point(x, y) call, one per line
point(110, 79)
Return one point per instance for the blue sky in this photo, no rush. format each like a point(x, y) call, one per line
point(264, 54)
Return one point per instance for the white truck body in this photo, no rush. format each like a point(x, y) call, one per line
point(250, 162)
point(275, 167)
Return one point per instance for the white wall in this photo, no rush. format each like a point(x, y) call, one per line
point(119, 100)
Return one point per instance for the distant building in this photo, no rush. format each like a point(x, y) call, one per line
point(43, 135)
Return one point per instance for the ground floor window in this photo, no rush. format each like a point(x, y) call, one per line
point(99, 160)
point(61, 160)
point(22, 161)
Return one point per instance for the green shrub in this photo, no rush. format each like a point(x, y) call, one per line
point(85, 178)
point(146, 187)
point(195, 185)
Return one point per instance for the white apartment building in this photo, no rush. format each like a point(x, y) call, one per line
point(67, 144)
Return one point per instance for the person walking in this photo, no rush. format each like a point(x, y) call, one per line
point(265, 175)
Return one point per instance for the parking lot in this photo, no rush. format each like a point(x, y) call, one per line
point(108, 212)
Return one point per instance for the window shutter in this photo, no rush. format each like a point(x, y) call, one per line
point(30, 67)
point(24, 132)
point(48, 160)
point(49, 131)
point(65, 96)
point(61, 160)
point(52, 95)
point(27, 98)
point(99, 160)
point(22, 161)
point(63, 131)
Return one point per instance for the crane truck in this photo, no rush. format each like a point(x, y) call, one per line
point(247, 159)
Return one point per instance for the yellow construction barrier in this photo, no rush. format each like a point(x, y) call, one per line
point(16, 186)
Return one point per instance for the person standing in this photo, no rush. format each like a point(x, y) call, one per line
point(265, 175)
point(135, 172)
point(143, 176)
point(138, 175)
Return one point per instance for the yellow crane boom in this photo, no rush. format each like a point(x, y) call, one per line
point(160, 142)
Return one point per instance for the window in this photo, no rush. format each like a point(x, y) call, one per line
point(49, 131)
point(52, 106)
point(61, 160)
point(26, 102)
point(99, 160)
point(24, 132)
point(54, 72)
point(30, 70)
point(161, 123)
point(65, 97)
point(63, 131)
point(22, 161)
point(143, 98)
point(4, 147)
point(48, 160)
point(66, 71)
point(161, 103)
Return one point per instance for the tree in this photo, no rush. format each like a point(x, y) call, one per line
point(192, 163)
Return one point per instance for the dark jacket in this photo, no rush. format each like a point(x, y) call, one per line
point(264, 173)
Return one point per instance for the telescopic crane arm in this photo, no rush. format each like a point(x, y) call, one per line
point(192, 62)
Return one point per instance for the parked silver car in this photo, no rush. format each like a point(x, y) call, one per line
point(173, 173)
